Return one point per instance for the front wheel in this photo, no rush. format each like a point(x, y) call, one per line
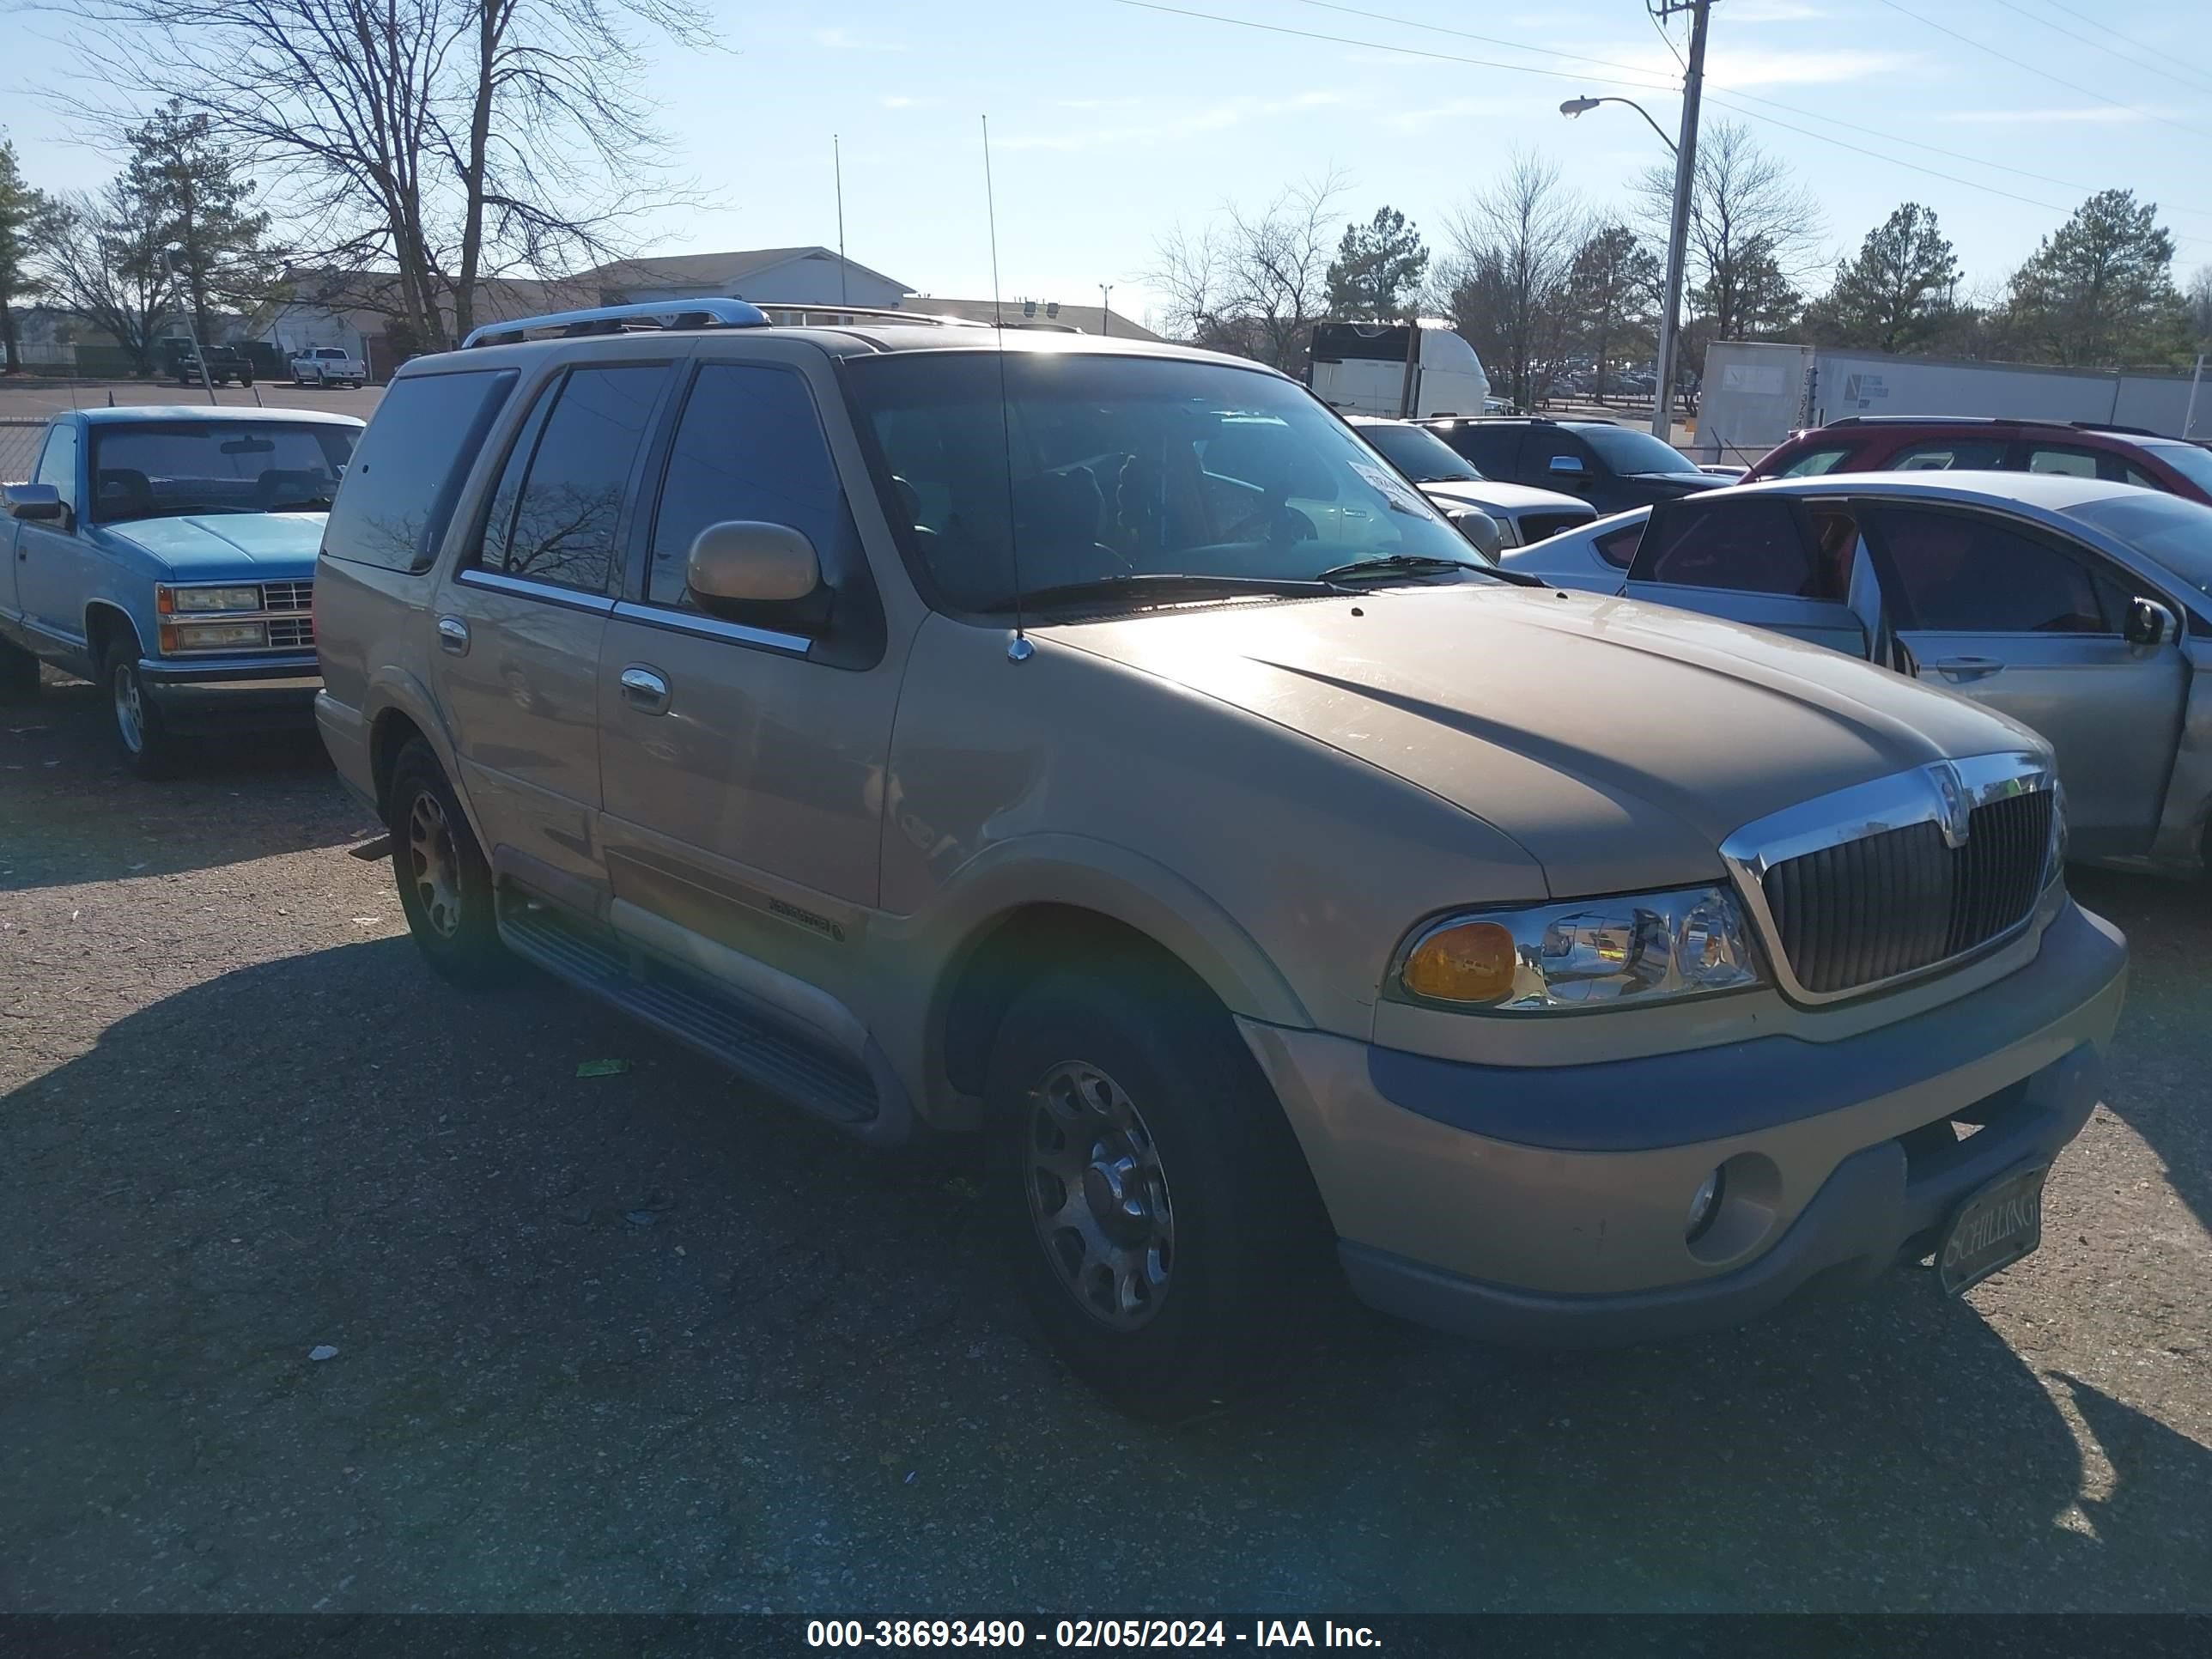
point(149, 749)
point(445, 881)
point(1164, 1229)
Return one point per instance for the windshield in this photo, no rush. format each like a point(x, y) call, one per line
point(2178, 533)
point(1420, 455)
point(168, 469)
point(2192, 461)
point(1097, 467)
point(1625, 451)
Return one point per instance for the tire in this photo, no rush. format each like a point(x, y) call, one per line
point(1171, 1305)
point(148, 748)
point(19, 673)
point(444, 880)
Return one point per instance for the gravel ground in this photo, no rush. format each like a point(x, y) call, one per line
point(641, 1342)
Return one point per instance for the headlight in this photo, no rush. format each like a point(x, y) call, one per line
point(208, 599)
point(215, 636)
point(1639, 948)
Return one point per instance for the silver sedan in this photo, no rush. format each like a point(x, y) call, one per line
point(2081, 608)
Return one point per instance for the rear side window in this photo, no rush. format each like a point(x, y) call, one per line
point(1961, 573)
point(1493, 449)
point(408, 467)
point(1744, 546)
point(1618, 547)
point(749, 446)
point(555, 516)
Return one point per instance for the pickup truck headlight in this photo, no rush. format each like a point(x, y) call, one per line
point(207, 598)
point(215, 636)
point(1637, 948)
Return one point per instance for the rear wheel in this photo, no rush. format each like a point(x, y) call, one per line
point(444, 882)
point(147, 746)
point(1163, 1227)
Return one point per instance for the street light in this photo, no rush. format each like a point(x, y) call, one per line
point(1575, 107)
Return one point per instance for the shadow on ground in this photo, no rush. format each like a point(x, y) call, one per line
point(645, 1342)
point(69, 813)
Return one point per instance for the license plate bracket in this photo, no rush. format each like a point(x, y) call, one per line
point(1995, 1227)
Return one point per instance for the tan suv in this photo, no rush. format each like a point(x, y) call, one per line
point(952, 730)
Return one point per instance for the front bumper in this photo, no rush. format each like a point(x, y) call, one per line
point(234, 694)
point(1549, 1206)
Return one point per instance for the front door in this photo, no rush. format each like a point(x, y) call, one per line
point(2031, 624)
point(49, 559)
point(519, 622)
point(1769, 560)
point(744, 754)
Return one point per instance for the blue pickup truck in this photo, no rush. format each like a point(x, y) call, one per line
point(168, 556)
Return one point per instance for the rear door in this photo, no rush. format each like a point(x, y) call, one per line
point(520, 619)
point(1770, 561)
point(2031, 622)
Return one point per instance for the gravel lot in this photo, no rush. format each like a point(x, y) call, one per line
point(641, 1342)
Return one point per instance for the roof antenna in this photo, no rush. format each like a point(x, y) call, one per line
point(1018, 650)
point(837, 168)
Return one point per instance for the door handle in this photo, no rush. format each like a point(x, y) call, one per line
point(453, 635)
point(644, 689)
point(1966, 668)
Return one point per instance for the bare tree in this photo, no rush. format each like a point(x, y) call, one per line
point(1505, 282)
point(439, 140)
point(1253, 282)
point(1754, 231)
point(102, 262)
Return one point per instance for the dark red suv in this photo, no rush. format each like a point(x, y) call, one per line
point(1910, 443)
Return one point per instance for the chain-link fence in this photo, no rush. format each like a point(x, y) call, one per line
point(19, 448)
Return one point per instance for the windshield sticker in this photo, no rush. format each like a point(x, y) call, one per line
point(1401, 495)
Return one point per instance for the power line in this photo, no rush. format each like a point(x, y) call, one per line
point(2101, 23)
point(2194, 82)
point(2057, 80)
point(1749, 97)
point(1559, 75)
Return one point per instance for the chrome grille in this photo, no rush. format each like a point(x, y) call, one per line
point(291, 633)
point(288, 596)
point(1870, 909)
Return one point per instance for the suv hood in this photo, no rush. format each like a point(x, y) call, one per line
point(1683, 482)
point(219, 543)
point(1616, 743)
point(1514, 498)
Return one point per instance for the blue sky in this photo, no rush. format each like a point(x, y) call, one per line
point(1110, 121)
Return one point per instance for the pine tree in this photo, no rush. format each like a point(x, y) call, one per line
point(1378, 268)
point(27, 219)
point(1897, 293)
point(2100, 290)
point(190, 183)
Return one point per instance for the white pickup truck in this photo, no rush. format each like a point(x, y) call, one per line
point(327, 366)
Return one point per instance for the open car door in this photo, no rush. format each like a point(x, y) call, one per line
point(1774, 561)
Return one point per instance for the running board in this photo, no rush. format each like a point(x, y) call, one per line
point(691, 1010)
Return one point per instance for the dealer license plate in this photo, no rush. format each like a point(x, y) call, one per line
point(1992, 1230)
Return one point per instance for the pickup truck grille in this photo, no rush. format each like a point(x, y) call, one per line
point(288, 596)
point(1900, 900)
point(291, 633)
point(1536, 526)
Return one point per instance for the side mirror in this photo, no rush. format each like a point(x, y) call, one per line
point(37, 503)
point(2150, 624)
point(1480, 528)
point(1568, 466)
point(741, 564)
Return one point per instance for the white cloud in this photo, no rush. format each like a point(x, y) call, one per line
point(1213, 118)
point(2098, 115)
point(900, 100)
point(1745, 67)
point(1772, 11)
point(844, 40)
point(1413, 120)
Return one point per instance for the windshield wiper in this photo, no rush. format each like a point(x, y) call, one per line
point(1165, 589)
point(1400, 564)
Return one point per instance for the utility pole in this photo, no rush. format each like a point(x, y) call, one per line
point(1678, 235)
point(1105, 316)
point(172, 264)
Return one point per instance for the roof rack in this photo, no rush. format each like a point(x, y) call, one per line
point(617, 319)
point(778, 309)
point(1994, 420)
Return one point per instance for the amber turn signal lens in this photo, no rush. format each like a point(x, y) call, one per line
point(1471, 963)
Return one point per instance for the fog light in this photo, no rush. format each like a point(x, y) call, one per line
point(1704, 1204)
